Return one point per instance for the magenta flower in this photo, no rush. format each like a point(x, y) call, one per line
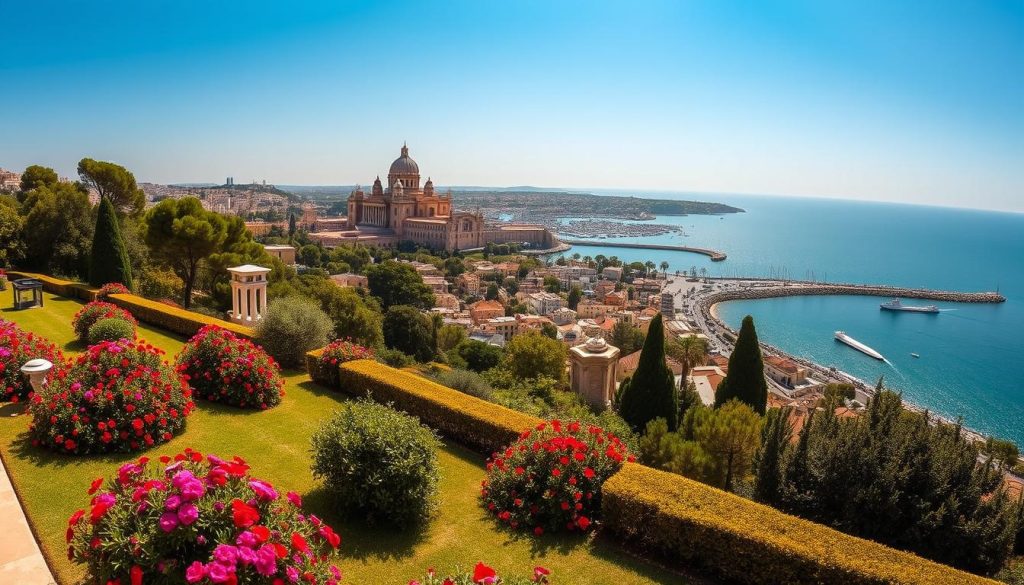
point(263, 490)
point(195, 572)
point(246, 539)
point(168, 521)
point(188, 513)
point(217, 573)
point(225, 554)
point(295, 499)
point(172, 503)
point(266, 560)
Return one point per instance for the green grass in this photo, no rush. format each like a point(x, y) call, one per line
point(276, 443)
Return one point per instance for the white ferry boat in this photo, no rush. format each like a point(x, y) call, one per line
point(896, 305)
point(841, 336)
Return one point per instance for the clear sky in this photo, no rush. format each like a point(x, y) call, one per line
point(873, 99)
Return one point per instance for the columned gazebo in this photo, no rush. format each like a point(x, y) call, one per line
point(28, 293)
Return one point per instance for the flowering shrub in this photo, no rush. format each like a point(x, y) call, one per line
point(112, 288)
point(482, 574)
point(111, 330)
point(337, 352)
point(377, 462)
point(117, 396)
point(95, 311)
point(16, 348)
point(550, 478)
point(198, 520)
point(222, 367)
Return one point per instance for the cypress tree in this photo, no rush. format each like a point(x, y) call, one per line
point(650, 393)
point(108, 260)
point(291, 224)
point(775, 437)
point(745, 381)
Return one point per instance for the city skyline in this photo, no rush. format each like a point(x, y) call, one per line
point(917, 103)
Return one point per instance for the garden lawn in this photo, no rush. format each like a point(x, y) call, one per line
point(276, 444)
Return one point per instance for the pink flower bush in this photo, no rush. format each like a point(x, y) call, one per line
point(336, 353)
point(112, 288)
point(223, 367)
point(95, 311)
point(550, 479)
point(117, 396)
point(198, 520)
point(16, 348)
point(481, 575)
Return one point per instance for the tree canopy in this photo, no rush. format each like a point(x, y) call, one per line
point(114, 182)
point(532, 355)
point(181, 234)
point(38, 176)
point(396, 283)
point(62, 226)
point(410, 332)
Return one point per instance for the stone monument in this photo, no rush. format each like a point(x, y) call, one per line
point(248, 294)
point(592, 371)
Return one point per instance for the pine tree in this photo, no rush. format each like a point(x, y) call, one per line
point(650, 393)
point(745, 381)
point(775, 437)
point(108, 261)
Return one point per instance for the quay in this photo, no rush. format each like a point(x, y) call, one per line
point(751, 289)
point(715, 255)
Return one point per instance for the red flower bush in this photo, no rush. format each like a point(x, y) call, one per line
point(481, 575)
point(16, 348)
point(197, 519)
point(112, 288)
point(223, 367)
point(117, 396)
point(95, 311)
point(338, 352)
point(550, 479)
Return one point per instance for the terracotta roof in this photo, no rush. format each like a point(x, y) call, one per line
point(631, 361)
point(782, 363)
point(487, 305)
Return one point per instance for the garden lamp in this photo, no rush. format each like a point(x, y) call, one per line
point(37, 370)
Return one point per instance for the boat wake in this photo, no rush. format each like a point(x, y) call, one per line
point(894, 368)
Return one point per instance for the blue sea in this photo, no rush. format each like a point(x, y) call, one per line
point(972, 356)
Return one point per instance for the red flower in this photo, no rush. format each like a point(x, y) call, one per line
point(262, 533)
point(482, 572)
point(583, 522)
point(96, 483)
point(136, 575)
point(243, 515)
point(299, 543)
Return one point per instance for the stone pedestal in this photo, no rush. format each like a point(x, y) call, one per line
point(248, 294)
point(592, 371)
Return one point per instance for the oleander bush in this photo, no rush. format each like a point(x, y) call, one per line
point(111, 330)
point(291, 327)
point(18, 346)
point(324, 369)
point(196, 519)
point(95, 311)
point(473, 422)
point(679, 519)
point(117, 396)
point(222, 367)
point(550, 479)
point(481, 573)
point(112, 288)
point(377, 462)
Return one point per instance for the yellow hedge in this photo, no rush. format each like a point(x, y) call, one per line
point(475, 423)
point(57, 286)
point(315, 369)
point(172, 318)
point(680, 519)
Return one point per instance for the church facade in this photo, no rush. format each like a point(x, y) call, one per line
point(405, 210)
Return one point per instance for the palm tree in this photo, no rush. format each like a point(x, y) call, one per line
point(704, 273)
point(664, 267)
point(693, 272)
point(650, 266)
point(689, 351)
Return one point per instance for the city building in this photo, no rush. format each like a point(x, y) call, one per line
point(446, 301)
point(563, 316)
point(285, 254)
point(612, 273)
point(506, 327)
point(436, 283)
point(483, 310)
point(629, 363)
point(468, 283)
point(405, 210)
point(706, 380)
point(546, 303)
point(348, 279)
point(9, 180)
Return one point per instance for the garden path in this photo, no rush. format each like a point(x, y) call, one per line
point(20, 558)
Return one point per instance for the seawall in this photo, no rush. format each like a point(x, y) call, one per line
point(715, 255)
point(769, 292)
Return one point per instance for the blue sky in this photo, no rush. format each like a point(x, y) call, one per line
point(899, 101)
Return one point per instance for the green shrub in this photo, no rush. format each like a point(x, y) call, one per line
point(111, 329)
point(378, 462)
point(394, 358)
point(94, 312)
point(467, 382)
point(291, 327)
point(688, 522)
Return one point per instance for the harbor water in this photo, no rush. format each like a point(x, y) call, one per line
point(971, 355)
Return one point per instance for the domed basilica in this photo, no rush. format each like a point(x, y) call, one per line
point(405, 211)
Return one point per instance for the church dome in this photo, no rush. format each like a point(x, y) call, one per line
point(404, 165)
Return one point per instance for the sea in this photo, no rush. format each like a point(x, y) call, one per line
point(971, 363)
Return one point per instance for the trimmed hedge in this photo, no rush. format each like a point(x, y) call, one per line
point(174, 319)
point(475, 423)
point(57, 286)
point(681, 519)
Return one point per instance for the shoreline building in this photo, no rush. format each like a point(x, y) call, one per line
point(405, 210)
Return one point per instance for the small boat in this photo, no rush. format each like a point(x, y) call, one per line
point(915, 355)
point(843, 337)
point(896, 305)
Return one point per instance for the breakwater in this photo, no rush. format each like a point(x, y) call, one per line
point(762, 291)
point(715, 255)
